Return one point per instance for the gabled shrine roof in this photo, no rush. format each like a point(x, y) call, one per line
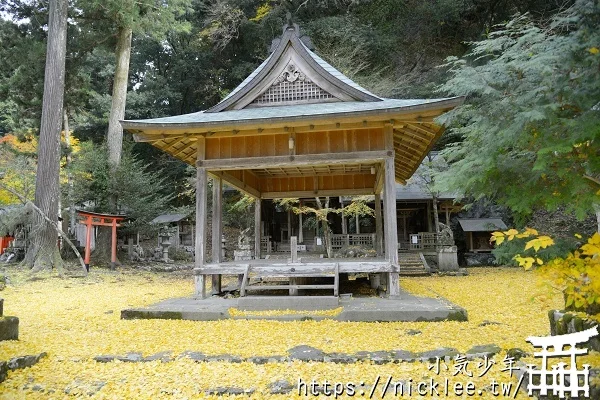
point(326, 68)
point(297, 112)
point(296, 75)
point(294, 91)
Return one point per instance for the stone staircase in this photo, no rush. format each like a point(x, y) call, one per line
point(413, 264)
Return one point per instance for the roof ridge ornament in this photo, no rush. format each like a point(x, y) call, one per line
point(290, 25)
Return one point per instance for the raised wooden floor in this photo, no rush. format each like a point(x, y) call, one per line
point(370, 265)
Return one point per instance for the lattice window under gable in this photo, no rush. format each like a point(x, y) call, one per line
point(292, 85)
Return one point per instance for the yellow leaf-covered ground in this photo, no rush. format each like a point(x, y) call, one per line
point(76, 319)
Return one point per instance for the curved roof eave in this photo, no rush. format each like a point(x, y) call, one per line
point(283, 114)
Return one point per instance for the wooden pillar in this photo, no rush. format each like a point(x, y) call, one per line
point(300, 232)
point(344, 223)
point(113, 244)
point(88, 242)
point(378, 226)
point(289, 225)
point(357, 223)
point(447, 216)
point(294, 259)
point(257, 216)
point(390, 223)
point(217, 230)
point(201, 206)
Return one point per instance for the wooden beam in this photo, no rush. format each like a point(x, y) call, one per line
point(291, 161)
point(217, 230)
point(321, 193)
point(183, 150)
point(415, 134)
point(402, 138)
point(236, 183)
point(233, 268)
point(153, 132)
point(270, 173)
point(379, 178)
point(421, 128)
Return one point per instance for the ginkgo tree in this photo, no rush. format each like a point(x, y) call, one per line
point(576, 275)
point(357, 207)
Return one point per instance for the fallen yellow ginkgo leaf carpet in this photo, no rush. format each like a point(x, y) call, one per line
point(76, 319)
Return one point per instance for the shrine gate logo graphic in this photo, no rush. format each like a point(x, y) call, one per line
point(562, 378)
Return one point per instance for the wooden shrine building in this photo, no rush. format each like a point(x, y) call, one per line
point(297, 127)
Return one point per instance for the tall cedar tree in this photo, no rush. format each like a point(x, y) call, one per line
point(44, 252)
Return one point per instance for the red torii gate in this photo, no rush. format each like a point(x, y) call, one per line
point(90, 219)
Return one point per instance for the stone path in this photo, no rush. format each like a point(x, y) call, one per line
point(308, 353)
point(405, 307)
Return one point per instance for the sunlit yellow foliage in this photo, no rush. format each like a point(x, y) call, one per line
point(75, 319)
point(18, 164)
point(17, 167)
point(540, 242)
point(577, 275)
point(262, 11)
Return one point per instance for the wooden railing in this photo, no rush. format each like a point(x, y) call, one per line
point(364, 239)
point(265, 245)
point(423, 241)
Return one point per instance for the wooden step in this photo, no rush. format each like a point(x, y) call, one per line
point(291, 272)
point(285, 287)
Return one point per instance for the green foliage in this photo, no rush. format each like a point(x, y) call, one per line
point(140, 194)
point(531, 119)
point(179, 254)
point(188, 54)
point(238, 210)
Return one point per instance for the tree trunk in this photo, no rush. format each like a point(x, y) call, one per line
point(70, 193)
point(43, 252)
point(114, 137)
point(597, 210)
point(325, 225)
point(436, 216)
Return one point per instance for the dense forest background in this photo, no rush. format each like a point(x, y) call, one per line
point(392, 47)
point(533, 63)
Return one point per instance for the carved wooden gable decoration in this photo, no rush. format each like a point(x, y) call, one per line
point(293, 75)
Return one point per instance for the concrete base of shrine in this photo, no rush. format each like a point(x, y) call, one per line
point(405, 307)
